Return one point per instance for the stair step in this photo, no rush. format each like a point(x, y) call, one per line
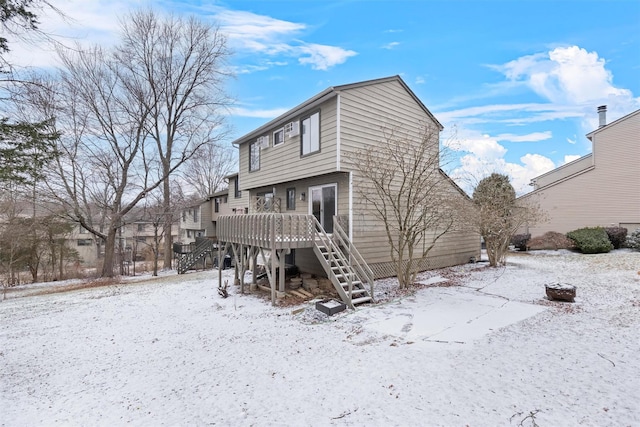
point(357, 291)
point(361, 300)
point(356, 285)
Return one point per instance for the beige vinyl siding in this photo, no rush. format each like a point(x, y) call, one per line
point(367, 110)
point(371, 239)
point(606, 195)
point(302, 207)
point(365, 113)
point(206, 210)
point(284, 162)
point(237, 205)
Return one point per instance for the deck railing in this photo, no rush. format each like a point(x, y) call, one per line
point(266, 204)
point(268, 230)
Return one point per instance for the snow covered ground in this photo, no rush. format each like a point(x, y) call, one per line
point(490, 351)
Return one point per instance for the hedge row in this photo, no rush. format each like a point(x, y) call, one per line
point(588, 240)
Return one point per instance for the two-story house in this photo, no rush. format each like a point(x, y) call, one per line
point(295, 169)
point(195, 221)
point(601, 188)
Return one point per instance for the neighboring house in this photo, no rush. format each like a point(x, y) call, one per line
point(194, 221)
point(89, 247)
point(138, 236)
point(199, 219)
point(599, 189)
point(296, 165)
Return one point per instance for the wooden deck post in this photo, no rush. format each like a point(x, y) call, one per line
point(281, 258)
point(254, 265)
point(220, 265)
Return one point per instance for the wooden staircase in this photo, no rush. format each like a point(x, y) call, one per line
point(344, 265)
point(203, 248)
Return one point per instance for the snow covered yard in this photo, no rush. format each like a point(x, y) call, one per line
point(492, 351)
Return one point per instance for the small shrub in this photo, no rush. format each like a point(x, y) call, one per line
point(550, 241)
point(520, 241)
point(591, 240)
point(617, 236)
point(633, 240)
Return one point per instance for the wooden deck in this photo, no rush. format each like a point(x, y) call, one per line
point(268, 230)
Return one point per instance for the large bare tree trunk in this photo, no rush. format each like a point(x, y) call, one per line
point(168, 225)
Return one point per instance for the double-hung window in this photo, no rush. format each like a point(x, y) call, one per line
point(310, 140)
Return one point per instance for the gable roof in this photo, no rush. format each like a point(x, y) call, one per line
point(325, 95)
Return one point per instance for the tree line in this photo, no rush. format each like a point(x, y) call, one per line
point(112, 129)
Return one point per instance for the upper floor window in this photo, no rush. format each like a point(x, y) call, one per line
point(278, 137)
point(254, 156)
point(216, 205)
point(195, 215)
point(141, 227)
point(310, 140)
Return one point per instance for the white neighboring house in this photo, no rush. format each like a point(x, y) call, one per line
point(599, 189)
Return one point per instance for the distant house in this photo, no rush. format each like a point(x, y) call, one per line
point(302, 193)
point(599, 189)
point(195, 221)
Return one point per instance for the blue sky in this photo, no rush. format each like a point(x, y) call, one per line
point(515, 83)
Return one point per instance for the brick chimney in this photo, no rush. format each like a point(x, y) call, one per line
point(602, 115)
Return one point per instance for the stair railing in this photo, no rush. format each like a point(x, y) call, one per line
point(335, 255)
point(355, 258)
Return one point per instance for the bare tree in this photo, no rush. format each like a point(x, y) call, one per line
point(18, 19)
point(181, 63)
point(130, 118)
point(408, 192)
point(207, 169)
point(498, 215)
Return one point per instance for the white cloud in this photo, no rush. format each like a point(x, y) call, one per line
point(391, 45)
point(274, 37)
point(483, 155)
point(530, 137)
point(256, 32)
point(97, 22)
point(572, 140)
point(323, 57)
point(571, 77)
point(261, 114)
point(570, 158)
point(565, 75)
point(420, 80)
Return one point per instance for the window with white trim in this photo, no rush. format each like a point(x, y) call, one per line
point(310, 140)
point(278, 137)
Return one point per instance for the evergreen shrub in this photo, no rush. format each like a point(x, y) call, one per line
point(617, 236)
point(591, 240)
point(633, 240)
